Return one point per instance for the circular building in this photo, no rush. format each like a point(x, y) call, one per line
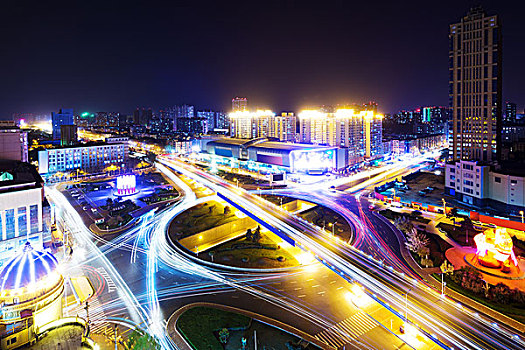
point(31, 290)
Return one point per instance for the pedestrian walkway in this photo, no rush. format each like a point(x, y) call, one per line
point(347, 330)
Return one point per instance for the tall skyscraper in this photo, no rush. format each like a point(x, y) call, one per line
point(475, 64)
point(63, 117)
point(239, 104)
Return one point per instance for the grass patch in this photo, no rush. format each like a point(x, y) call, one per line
point(200, 218)
point(243, 253)
point(392, 215)
point(198, 325)
point(457, 233)
point(515, 311)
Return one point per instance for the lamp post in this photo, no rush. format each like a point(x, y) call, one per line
point(521, 213)
point(443, 284)
point(406, 305)
point(444, 206)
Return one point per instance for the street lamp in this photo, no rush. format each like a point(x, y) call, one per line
point(521, 213)
point(444, 206)
point(406, 305)
point(236, 180)
point(443, 284)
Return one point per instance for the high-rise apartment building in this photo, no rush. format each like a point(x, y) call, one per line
point(263, 123)
point(475, 64)
point(63, 117)
point(239, 104)
point(285, 127)
point(360, 131)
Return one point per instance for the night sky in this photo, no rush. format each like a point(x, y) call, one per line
point(283, 55)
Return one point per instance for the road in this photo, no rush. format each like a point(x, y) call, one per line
point(450, 324)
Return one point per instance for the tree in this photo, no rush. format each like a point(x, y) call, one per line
point(249, 234)
point(447, 267)
point(256, 237)
point(403, 224)
point(224, 334)
point(109, 203)
point(227, 210)
point(416, 240)
point(142, 341)
point(500, 293)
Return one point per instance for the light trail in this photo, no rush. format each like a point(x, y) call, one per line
point(460, 327)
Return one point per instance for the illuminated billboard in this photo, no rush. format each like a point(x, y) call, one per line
point(312, 160)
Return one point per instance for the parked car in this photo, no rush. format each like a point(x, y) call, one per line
point(94, 210)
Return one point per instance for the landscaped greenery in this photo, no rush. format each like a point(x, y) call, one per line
point(161, 194)
point(251, 252)
point(200, 218)
point(200, 324)
point(392, 215)
point(139, 340)
point(243, 179)
point(458, 233)
point(500, 297)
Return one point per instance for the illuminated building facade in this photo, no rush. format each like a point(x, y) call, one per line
point(63, 117)
point(31, 294)
point(239, 104)
point(264, 155)
point(285, 127)
point(479, 184)
point(22, 207)
point(94, 156)
point(475, 90)
point(360, 132)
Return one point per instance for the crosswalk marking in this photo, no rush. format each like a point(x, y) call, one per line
point(347, 330)
point(111, 285)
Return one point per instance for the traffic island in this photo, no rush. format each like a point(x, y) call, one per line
point(218, 327)
point(218, 235)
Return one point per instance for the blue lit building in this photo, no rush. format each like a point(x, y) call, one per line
point(63, 117)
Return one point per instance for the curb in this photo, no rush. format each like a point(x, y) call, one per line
point(173, 333)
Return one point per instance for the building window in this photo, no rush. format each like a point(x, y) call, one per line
point(10, 223)
point(22, 221)
point(513, 182)
point(33, 218)
point(497, 179)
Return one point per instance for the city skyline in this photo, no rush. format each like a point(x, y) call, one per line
point(117, 59)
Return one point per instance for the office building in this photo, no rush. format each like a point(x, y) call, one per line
point(68, 135)
point(475, 64)
point(510, 113)
point(89, 157)
point(209, 117)
point(481, 184)
point(13, 143)
point(63, 117)
point(239, 104)
point(360, 132)
point(21, 207)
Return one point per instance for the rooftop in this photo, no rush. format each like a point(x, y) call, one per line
point(27, 268)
